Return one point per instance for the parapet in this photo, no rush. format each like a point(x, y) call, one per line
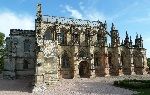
point(16, 32)
point(71, 21)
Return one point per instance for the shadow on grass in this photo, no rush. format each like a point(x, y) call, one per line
point(143, 91)
point(21, 85)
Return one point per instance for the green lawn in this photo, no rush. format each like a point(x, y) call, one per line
point(142, 91)
point(141, 86)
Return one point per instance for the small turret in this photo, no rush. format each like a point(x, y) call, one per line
point(115, 39)
point(126, 41)
point(140, 37)
point(39, 12)
point(130, 42)
point(127, 34)
point(122, 43)
point(141, 42)
point(112, 27)
point(136, 36)
point(105, 25)
point(138, 42)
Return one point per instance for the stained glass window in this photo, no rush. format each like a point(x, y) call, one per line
point(65, 61)
point(48, 35)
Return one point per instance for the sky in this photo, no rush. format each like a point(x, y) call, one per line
point(127, 15)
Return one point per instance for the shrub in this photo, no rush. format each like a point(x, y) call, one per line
point(135, 84)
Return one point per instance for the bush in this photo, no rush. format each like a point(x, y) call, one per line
point(134, 84)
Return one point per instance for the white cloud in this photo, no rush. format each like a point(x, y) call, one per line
point(90, 14)
point(74, 13)
point(124, 11)
point(95, 15)
point(10, 20)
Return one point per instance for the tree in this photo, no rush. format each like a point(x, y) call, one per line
point(2, 51)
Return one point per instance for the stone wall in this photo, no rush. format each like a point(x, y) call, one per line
point(82, 49)
point(18, 61)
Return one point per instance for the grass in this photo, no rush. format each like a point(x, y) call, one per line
point(142, 91)
point(141, 86)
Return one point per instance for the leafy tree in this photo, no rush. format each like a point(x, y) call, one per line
point(2, 51)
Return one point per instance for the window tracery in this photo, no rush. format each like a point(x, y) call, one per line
point(48, 35)
point(65, 61)
point(96, 59)
point(76, 37)
point(27, 45)
point(25, 64)
point(82, 53)
point(63, 38)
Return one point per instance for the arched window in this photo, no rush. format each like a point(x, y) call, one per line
point(122, 58)
point(98, 37)
point(62, 38)
point(25, 64)
point(82, 53)
point(110, 59)
point(96, 59)
point(65, 61)
point(87, 36)
point(27, 45)
point(48, 35)
point(76, 37)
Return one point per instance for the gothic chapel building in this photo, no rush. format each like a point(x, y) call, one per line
point(69, 48)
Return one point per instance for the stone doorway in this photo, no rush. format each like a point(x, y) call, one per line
point(84, 70)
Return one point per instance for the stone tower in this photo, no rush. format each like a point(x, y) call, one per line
point(139, 56)
point(127, 53)
point(46, 51)
point(102, 69)
point(115, 52)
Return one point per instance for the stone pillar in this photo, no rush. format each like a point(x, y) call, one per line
point(76, 72)
point(106, 67)
point(106, 62)
point(140, 63)
point(39, 78)
point(59, 68)
point(106, 72)
point(120, 71)
point(93, 69)
point(117, 66)
point(132, 65)
point(145, 67)
point(132, 69)
point(76, 64)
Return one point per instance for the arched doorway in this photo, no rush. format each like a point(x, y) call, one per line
point(84, 70)
point(66, 69)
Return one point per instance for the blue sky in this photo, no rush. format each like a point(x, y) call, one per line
point(130, 15)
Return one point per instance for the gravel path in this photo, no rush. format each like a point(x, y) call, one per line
point(82, 86)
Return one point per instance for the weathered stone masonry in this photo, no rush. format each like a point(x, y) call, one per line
point(73, 48)
point(20, 53)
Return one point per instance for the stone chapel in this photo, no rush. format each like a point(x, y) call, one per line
point(61, 47)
